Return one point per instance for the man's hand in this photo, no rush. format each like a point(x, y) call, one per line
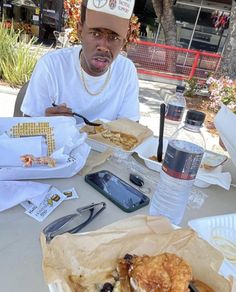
point(58, 110)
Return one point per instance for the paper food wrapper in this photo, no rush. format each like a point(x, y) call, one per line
point(80, 262)
point(225, 122)
point(126, 126)
point(94, 160)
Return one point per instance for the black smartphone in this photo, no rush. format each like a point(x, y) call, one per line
point(118, 191)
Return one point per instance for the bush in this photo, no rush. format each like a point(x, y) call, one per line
point(17, 61)
point(222, 90)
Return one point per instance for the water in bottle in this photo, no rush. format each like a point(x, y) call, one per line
point(179, 169)
point(175, 106)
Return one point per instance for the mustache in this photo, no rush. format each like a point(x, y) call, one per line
point(106, 56)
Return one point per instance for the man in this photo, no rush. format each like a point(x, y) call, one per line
point(93, 79)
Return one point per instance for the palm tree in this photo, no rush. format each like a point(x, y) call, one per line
point(166, 18)
point(228, 64)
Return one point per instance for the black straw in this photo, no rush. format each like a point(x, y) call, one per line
point(161, 131)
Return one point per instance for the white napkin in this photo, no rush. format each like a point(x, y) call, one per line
point(213, 177)
point(225, 123)
point(12, 148)
point(13, 193)
point(75, 149)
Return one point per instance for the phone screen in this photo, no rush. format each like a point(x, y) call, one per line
point(117, 190)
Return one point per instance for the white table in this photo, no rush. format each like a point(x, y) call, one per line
point(20, 250)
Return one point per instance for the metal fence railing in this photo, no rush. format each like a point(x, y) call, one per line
point(172, 62)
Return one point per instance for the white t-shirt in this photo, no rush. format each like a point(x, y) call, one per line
point(57, 79)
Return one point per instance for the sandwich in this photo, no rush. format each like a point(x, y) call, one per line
point(165, 272)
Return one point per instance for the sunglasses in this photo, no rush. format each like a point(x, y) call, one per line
point(73, 223)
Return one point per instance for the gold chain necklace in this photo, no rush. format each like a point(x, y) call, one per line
point(84, 82)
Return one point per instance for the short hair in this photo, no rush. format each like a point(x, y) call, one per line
point(83, 12)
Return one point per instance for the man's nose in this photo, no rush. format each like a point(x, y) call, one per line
point(103, 44)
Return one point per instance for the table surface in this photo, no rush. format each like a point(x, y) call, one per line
point(20, 250)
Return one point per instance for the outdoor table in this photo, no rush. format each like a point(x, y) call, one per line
point(20, 250)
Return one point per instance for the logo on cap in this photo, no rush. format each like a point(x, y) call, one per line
point(112, 4)
point(99, 3)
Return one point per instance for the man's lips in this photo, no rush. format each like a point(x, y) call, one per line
point(101, 62)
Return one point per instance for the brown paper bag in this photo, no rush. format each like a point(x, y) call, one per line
point(81, 262)
point(94, 160)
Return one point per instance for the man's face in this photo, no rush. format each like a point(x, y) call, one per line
point(100, 47)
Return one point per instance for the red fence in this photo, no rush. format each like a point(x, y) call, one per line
point(172, 62)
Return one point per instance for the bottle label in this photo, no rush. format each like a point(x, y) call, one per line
point(174, 112)
point(182, 159)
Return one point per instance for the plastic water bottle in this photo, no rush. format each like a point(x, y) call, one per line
point(175, 106)
point(180, 165)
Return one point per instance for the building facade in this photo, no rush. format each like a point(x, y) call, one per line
point(34, 17)
point(201, 24)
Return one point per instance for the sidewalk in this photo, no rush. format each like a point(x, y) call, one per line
point(150, 101)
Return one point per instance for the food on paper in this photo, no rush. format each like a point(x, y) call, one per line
point(123, 140)
point(85, 262)
point(120, 139)
point(201, 287)
point(29, 159)
point(164, 272)
point(97, 129)
point(122, 133)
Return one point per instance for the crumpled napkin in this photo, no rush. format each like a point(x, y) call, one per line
point(75, 148)
point(225, 123)
point(206, 178)
point(13, 193)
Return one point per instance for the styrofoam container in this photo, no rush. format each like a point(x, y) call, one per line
point(148, 149)
point(101, 147)
point(223, 228)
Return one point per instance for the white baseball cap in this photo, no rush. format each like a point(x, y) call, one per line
point(111, 14)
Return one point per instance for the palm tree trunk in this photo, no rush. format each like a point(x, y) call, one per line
point(166, 18)
point(228, 64)
point(165, 15)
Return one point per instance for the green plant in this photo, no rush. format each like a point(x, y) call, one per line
point(17, 60)
point(191, 87)
point(8, 39)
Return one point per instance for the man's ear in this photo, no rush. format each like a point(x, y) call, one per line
point(79, 26)
point(79, 29)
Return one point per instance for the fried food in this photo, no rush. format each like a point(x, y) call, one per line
point(123, 272)
point(120, 139)
point(201, 287)
point(153, 157)
point(123, 140)
point(165, 273)
point(29, 159)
